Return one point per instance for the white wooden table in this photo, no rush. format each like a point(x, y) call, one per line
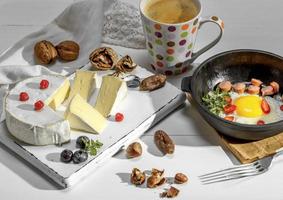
point(248, 24)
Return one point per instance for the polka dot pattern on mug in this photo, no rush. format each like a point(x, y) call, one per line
point(188, 53)
point(185, 27)
point(168, 73)
point(159, 64)
point(170, 44)
point(159, 57)
point(158, 34)
point(182, 42)
point(170, 51)
point(171, 28)
point(170, 58)
point(184, 34)
point(157, 26)
point(159, 42)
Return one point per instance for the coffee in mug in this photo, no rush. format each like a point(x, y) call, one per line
point(170, 28)
point(171, 11)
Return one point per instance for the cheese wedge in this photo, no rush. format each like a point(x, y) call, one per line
point(59, 96)
point(82, 116)
point(83, 84)
point(38, 127)
point(112, 91)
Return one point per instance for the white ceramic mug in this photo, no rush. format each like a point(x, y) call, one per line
point(170, 46)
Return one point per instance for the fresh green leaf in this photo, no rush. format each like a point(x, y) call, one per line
point(215, 100)
point(93, 146)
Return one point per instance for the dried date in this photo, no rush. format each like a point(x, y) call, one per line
point(153, 82)
point(164, 143)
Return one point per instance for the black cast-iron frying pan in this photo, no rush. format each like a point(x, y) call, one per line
point(235, 66)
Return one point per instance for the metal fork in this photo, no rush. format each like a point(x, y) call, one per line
point(255, 168)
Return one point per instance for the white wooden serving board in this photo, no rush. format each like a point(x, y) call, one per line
point(141, 110)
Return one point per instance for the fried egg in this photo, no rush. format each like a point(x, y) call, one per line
point(249, 109)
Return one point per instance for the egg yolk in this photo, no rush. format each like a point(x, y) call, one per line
point(249, 106)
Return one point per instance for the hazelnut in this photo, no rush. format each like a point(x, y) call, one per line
point(45, 52)
point(68, 50)
point(170, 193)
point(180, 178)
point(134, 150)
point(103, 58)
point(137, 177)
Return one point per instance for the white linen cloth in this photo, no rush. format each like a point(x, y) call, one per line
point(88, 23)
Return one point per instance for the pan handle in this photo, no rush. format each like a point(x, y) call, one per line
point(186, 85)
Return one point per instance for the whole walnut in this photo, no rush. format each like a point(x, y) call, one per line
point(68, 50)
point(45, 52)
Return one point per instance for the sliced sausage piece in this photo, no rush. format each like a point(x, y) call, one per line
point(225, 86)
point(275, 86)
point(256, 82)
point(252, 89)
point(267, 91)
point(239, 87)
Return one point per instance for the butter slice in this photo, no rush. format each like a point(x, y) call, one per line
point(83, 84)
point(112, 91)
point(82, 116)
point(59, 96)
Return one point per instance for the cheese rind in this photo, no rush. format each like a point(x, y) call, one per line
point(112, 91)
point(38, 127)
point(83, 84)
point(82, 116)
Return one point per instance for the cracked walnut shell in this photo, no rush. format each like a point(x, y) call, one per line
point(137, 177)
point(125, 65)
point(45, 52)
point(156, 178)
point(134, 150)
point(103, 58)
point(68, 50)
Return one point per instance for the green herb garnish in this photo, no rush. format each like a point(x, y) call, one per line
point(215, 100)
point(92, 146)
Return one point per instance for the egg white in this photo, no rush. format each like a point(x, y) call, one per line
point(275, 113)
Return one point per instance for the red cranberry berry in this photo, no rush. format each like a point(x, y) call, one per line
point(38, 105)
point(23, 96)
point(44, 84)
point(119, 117)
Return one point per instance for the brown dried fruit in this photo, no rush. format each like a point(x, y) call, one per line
point(134, 150)
point(164, 142)
point(156, 178)
point(170, 193)
point(68, 50)
point(180, 178)
point(125, 64)
point(45, 52)
point(153, 82)
point(137, 177)
point(103, 58)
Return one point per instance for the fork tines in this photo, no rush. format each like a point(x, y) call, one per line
point(232, 173)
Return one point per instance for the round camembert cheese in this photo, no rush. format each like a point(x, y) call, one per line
point(38, 127)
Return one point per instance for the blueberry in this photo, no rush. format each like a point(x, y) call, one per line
point(81, 142)
point(66, 155)
point(80, 156)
